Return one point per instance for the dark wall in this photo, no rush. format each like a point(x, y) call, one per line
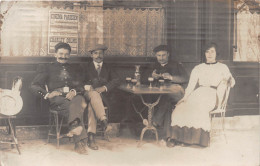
point(35, 110)
point(243, 97)
point(190, 24)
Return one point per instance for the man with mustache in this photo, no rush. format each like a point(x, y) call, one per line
point(100, 79)
point(58, 83)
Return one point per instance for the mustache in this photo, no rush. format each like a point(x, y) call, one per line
point(63, 58)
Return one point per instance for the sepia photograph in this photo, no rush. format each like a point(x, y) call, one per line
point(129, 82)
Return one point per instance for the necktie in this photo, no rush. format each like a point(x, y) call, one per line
point(98, 68)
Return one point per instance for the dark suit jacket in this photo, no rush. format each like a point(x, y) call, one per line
point(174, 68)
point(107, 76)
point(56, 75)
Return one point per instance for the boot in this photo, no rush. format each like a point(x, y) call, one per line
point(170, 143)
point(81, 148)
point(104, 124)
point(91, 142)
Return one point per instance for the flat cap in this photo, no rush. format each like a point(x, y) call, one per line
point(98, 47)
point(161, 48)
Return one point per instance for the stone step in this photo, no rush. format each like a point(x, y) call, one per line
point(237, 122)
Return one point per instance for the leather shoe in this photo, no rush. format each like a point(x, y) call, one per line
point(170, 143)
point(75, 131)
point(74, 128)
point(81, 148)
point(104, 124)
point(91, 142)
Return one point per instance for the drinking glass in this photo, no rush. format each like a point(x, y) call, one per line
point(161, 83)
point(134, 81)
point(150, 79)
point(128, 81)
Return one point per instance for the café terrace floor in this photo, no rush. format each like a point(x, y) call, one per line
point(241, 149)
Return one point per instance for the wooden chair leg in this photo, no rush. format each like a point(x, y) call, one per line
point(55, 122)
point(223, 126)
point(50, 127)
point(14, 135)
point(57, 129)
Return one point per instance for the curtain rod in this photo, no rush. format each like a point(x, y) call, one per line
point(128, 7)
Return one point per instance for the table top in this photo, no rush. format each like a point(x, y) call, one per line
point(145, 89)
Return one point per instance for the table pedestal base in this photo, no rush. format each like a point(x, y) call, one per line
point(149, 125)
point(153, 129)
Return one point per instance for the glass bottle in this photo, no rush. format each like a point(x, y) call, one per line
point(137, 74)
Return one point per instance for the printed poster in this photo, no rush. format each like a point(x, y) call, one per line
point(63, 27)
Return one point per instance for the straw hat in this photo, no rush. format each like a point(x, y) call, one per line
point(11, 102)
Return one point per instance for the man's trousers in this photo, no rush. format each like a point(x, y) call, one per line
point(96, 110)
point(71, 110)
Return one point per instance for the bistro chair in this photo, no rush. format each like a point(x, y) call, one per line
point(56, 119)
point(55, 124)
point(11, 104)
point(222, 110)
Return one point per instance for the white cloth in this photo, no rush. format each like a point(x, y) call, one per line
point(194, 112)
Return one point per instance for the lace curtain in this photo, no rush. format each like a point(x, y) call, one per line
point(25, 29)
point(133, 32)
point(248, 37)
point(126, 32)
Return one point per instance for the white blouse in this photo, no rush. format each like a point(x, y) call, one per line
point(207, 75)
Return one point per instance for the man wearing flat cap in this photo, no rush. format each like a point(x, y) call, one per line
point(174, 75)
point(99, 80)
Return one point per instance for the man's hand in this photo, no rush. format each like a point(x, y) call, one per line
point(100, 89)
point(88, 88)
point(155, 75)
point(70, 95)
point(53, 94)
point(167, 76)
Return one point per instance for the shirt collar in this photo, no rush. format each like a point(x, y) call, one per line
point(96, 64)
point(163, 64)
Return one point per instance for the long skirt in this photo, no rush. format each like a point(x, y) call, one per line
point(190, 136)
point(190, 119)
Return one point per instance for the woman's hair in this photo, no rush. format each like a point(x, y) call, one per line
point(206, 47)
point(62, 45)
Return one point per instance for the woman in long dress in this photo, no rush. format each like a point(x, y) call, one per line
point(190, 119)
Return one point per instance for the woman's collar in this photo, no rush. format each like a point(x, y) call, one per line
point(211, 63)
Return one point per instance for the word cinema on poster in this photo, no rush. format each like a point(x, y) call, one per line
point(63, 27)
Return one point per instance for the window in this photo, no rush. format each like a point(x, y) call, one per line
point(247, 34)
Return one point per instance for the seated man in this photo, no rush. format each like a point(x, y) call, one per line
point(57, 83)
point(171, 73)
point(99, 80)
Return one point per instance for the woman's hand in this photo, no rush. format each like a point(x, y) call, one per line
point(232, 82)
point(182, 100)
